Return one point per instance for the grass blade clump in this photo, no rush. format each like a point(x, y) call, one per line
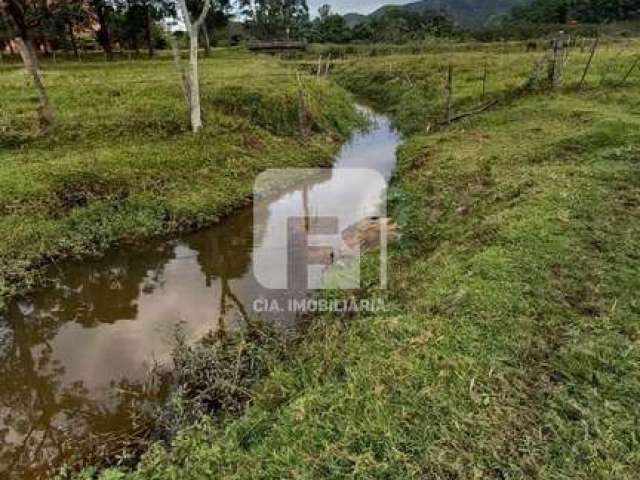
point(214, 376)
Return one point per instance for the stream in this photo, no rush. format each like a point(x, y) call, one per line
point(71, 354)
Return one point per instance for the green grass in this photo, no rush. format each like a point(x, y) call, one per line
point(510, 349)
point(122, 165)
point(412, 88)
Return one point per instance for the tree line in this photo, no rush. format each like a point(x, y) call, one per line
point(393, 25)
point(580, 11)
point(74, 24)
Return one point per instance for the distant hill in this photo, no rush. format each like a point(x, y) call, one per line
point(464, 12)
point(354, 19)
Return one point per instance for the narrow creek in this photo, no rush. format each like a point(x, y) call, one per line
point(70, 353)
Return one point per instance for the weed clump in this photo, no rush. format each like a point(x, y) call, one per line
point(212, 377)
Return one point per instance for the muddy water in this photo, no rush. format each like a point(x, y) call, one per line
point(71, 356)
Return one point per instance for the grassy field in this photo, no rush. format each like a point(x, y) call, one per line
point(413, 87)
point(511, 345)
point(122, 165)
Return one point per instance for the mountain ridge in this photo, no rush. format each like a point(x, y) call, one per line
point(464, 12)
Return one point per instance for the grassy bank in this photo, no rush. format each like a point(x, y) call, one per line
point(413, 88)
point(510, 348)
point(121, 163)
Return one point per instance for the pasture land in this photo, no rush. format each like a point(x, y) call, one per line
point(510, 346)
point(121, 164)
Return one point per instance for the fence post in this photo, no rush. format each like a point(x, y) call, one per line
point(484, 81)
point(449, 92)
point(556, 63)
point(304, 116)
point(594, 47)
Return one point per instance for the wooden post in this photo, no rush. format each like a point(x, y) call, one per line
point(484, 81)
point(594, 47)
point(449, 92)
point(304, 116)
point(567, 52)
point(556, 63)
point(319, 69)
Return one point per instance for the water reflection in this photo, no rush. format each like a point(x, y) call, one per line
point(70, 354)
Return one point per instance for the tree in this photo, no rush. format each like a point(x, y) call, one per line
point(133, 22)
point(397, 25)
point(190, 76)
point(218, 17)
point(276, 19)
point(148, 14)
point(6, 34)
point(127, 24)
point(586, 11)
point(67, 17)
point(330, 27)
point(103, 10)
point(20, 14)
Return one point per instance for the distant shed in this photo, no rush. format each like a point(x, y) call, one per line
point(277, 47)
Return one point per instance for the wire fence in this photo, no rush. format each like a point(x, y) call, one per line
point(565, 62)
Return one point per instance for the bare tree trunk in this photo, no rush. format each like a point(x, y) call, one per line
point(194, 84)
point(45, 110)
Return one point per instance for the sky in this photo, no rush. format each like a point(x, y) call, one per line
point(349, 6)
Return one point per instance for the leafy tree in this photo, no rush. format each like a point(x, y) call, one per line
point(586, 11)
point(330, 27)
point(128, 24)
point(276, 19)
point(217, 17)
point(6, 33)
point(66, 18)
point(397, 25)
point(363, 32)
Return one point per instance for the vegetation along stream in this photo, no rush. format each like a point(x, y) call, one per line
point(73, 354)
